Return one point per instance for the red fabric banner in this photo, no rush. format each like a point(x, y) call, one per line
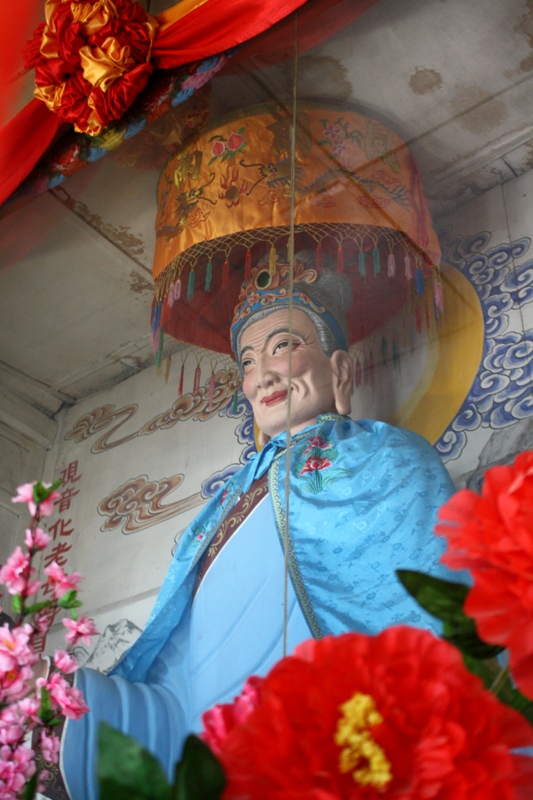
point(22, 142)
point(216, 26)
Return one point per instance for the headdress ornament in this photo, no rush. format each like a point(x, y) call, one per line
point(268, 286)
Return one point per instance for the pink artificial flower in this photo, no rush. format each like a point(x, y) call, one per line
point(25, 759)
point(65, 662)
point(16, 767)
point(59, 581)
point(15, 650)
point(37, 539)
point(25, 495)
point(47, 506)
point(80, 630)
point(16, 571)
point(32, 588)
point(42, 624)
point(221, 719)
point(50, 748)
point(42, 783)
point(11, 729)
point(14, 684)
point(29, 708)
point(68, 698)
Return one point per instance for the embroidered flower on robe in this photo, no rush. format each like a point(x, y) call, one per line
point(313, 463)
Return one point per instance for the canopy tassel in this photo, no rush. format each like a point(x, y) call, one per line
point(208, 275)
point(362, 267)
point(419, 281)
point(197, 377)
point(211, 392)
point(408, 267)
point(391, 266)
point(384, 350)
point(225, 273)
point(377, 264)
point(437, 293)
point(180, 386)
point(247, 264)
point(235, 406)
point(273, 257)
point(159, 354)
point(190, 286)
point(340, 260)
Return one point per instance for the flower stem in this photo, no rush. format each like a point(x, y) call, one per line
point(499, 681)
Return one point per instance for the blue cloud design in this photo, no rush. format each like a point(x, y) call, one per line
point(501, 392)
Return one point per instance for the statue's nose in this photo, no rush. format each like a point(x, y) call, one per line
point(265, 375)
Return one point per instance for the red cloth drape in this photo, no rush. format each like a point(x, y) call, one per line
point(215, 26)
point(22, 142)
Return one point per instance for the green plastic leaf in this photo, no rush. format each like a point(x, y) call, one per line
point(126, 770)
point(36, 607)
point(466, 639)
point(45, 713)
point(42, 492)
point(515, 699)
point(16, 603)
point(199, 775)
point(444, 600)
point(69, 600)
point(488, 671)
point(30, 788)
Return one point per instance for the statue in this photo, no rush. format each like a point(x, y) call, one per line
point(363, 500)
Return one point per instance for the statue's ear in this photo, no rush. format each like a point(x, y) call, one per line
point(342, 373)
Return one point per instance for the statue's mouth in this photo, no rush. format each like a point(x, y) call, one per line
point(275, 397)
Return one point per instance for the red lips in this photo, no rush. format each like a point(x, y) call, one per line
point(275, 397)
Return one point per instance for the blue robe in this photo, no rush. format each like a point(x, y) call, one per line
point(363, 502)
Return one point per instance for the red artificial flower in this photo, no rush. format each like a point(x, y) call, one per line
point(492, 536)
point(391, 717)
point(221, 719)
point(313, 463)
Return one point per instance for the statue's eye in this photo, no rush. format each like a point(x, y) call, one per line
point(281, 345)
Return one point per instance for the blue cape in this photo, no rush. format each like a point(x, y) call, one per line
point(363, 502)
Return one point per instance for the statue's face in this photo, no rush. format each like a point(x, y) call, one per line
point(265, 366)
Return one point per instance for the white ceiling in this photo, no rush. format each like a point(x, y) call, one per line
point(453, 78)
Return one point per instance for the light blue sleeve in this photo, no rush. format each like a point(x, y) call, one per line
point(156, 713)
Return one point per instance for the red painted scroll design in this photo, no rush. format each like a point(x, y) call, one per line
point(194, 405)
point(138, 504)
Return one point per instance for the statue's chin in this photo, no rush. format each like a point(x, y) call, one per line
point(296, 427)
